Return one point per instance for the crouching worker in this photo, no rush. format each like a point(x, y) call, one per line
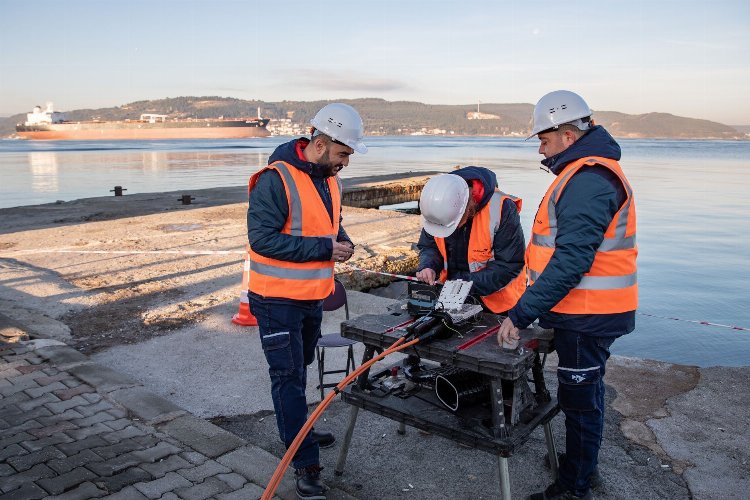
point(296, 237)
point(471, 231)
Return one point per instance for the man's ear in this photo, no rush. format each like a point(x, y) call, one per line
point(569, 137)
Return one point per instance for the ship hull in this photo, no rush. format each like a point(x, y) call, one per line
point(208, 129)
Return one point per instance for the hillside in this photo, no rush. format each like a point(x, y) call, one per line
point(383, 117)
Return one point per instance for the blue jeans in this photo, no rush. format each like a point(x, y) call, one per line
point(580, 394)
point(289, 332)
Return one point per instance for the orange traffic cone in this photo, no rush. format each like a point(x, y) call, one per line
point(244, 317)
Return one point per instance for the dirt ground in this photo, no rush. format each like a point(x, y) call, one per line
point(123, 270)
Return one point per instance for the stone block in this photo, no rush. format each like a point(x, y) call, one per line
point(25, 462)
point(161, 467)
point(67, 481)
point(63, 465)
point(116, 482)
point(202, 436)
point(144, 404)
point(207, 489)
point(102, 378)
point(158, 487)
point(208, 469)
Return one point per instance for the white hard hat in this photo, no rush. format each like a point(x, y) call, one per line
point(558, 108)
point(342, 123)
point(442, 203)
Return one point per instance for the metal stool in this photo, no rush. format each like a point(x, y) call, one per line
point(335, 301)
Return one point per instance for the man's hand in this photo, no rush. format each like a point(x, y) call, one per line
point(342, 251)
point(427, 275)
point(507, 333)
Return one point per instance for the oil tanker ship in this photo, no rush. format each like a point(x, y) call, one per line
point(51, 125)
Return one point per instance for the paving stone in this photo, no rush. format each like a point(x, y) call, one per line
point(67, 481)
point(63, 465)
point(92, 397)
point(104, 379)
point(233, 480)
point(248, 491)
point(28, 368)
point(127, 432)
point(258, 466)
point(157, 452)
point(116, 482)
point(14, 438)
point(35, 392)
point(158, 487)
point(118, 424)
point(52, 429)
point(117, 412)
point(206, 489)
point(71, 382)
point(67, 415)
point(26, 426)
point(65, 394)
point(74, 447)
point(127, 493)
point(194, 457)
point(199, 473)
point(170, 495)
point(161, 467)
point(6, 470)
point(84, 432)
point(76, 401)
point(38, 444)
point(95, 408)
point(202, 436)
point(13, 450)
point(96, 418)
point(85, 491)
point(113, 450)
point(14, 399)
point(24, 462)
point(114, 465)
point(47, 380)
point(28, 491)
point(33, 403)
point(18, 416)
point(60, 355)
point(17, 480)
point(144, 404)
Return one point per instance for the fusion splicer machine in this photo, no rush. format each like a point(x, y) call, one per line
point(440, 313)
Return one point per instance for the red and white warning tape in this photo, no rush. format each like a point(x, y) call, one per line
point(707, 323)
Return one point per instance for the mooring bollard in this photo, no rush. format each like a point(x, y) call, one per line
point(117, 190)
point(185, 199)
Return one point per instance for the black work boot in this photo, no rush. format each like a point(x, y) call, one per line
point(555, 491)
point(594, 481)
point(309, 485)
point(324, 439)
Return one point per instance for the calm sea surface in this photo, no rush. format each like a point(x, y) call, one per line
point(692, 197)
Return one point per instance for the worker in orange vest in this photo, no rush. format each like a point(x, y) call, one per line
point(471, 231)
point(581, 262)
point(296, 237)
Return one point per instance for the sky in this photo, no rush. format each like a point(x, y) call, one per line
point(685, 57)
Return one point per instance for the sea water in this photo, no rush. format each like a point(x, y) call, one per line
point(691, 196)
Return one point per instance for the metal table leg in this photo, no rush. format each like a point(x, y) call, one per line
point(551, 449)
point(502, 466)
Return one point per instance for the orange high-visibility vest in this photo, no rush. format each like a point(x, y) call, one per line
point(611, 285)
point(308, 216)
point(483, 228)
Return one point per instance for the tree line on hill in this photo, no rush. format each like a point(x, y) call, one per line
point(383, 117)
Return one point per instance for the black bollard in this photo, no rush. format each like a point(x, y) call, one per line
point(185, 199)
point(117, 190)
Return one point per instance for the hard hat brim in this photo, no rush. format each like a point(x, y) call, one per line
point(438, 230)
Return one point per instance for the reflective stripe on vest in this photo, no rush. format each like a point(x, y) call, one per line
point(307, 217)
point(610, 285)
point(481, 251)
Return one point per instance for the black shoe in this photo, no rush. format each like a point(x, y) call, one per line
point(595, 480)
point(556, 492)
point(324, 439)
point(309, 485)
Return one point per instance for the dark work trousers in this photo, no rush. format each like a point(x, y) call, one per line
point(289, 332)
point(580, 394)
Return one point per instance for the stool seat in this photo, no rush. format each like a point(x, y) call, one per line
point(334, 340)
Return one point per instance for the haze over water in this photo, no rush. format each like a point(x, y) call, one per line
point(691, 197)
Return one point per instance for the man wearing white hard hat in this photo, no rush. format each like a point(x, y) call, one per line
point(581, 264)
point(296, 237)
point(472, 231)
